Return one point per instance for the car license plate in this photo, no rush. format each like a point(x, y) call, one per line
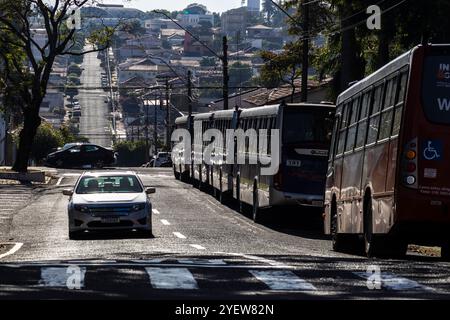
point(110, 220)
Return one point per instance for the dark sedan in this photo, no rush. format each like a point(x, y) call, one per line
point(81, 155)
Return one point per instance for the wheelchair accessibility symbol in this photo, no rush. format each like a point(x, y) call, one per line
point(432, 150)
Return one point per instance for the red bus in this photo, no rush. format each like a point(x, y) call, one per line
point(388, 178)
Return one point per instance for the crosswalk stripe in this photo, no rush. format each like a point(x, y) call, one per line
point(174, 278)
point(57, 277)
point(155, 211)
point(391, 281)
point(179, 235)
point(165, 222)
point(282, 280)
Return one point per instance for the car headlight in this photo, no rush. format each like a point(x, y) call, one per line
point(81, 208)
point(138, 207)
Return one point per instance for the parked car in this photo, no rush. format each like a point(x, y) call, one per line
point(81, 155)
point(163, 159)
point(109, 201)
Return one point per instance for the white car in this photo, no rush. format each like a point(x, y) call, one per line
point(109, 201)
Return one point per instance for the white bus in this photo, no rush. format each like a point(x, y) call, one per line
point(304, 140)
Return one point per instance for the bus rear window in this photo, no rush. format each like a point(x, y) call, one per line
point(307, 126)
point(436, 89)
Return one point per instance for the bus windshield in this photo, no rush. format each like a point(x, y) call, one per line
point(307, 126)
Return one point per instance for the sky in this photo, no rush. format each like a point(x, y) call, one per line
point(172, 5)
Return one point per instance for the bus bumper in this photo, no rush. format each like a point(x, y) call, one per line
point(281, 198)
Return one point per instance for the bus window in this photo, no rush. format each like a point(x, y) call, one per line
point(342, 131)
point(306, 126)
point(388, 113)
point(375, 115)
point(362, 125)
point(350, 144)
point(400, 102)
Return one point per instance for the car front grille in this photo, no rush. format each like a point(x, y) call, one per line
point(108, 211)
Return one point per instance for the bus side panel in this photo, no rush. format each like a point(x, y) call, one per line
point(338, 163)
point(374, 175)
point(350, 190)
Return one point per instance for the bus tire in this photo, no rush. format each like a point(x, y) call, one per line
point(372, 243)
point(256, 211)
point(337, 239)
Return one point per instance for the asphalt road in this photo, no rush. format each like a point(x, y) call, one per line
point(94, 121)
point(200, 250)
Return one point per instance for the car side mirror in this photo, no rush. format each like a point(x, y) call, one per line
point(68, 192)
point(150, 190)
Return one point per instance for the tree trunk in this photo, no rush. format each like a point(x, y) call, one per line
point(31, 123)
point(351, 64)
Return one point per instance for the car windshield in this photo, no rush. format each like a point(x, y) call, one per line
point(109, 184)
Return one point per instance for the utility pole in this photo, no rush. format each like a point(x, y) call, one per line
point(168, 115)
point(305, 58)
point(147, 137)
point(155, 134)
point(189, 93)
point(226, 78)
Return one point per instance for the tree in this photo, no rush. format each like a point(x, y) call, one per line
point(208, 62)
point(31, 83)
point(240, 74)
point(268, 10)
point(133, 27)
point(282, 68)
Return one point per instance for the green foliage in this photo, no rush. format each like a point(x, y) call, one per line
point(131, 154)
point(46, 140)
point(208, 62)
point(240, 74)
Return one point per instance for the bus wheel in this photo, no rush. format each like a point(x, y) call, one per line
point(256, 212)
point(372, 242)
point(337, 239)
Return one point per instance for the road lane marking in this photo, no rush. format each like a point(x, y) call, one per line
point(393, 282)
point(176, 278)
point(270, 262)
point(282, 280)
point(13, 250)
point(59, 181)
point(165, 222)
point(179, 235)
point(62, 277)
point(155, 211)
point(197, 246)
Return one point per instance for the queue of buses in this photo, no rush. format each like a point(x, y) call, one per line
point(378, 162)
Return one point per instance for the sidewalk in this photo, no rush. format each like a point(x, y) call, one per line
point(50, 174)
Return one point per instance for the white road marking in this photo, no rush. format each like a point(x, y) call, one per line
point(61, 277)
point(155, 211)
point(175, 278)
point(165, 222)
point(272, 263)
point(393, 282)
point(13, 250)
point(197, 246)
point(179, 235)
point(59, 181)
point(282, 280)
